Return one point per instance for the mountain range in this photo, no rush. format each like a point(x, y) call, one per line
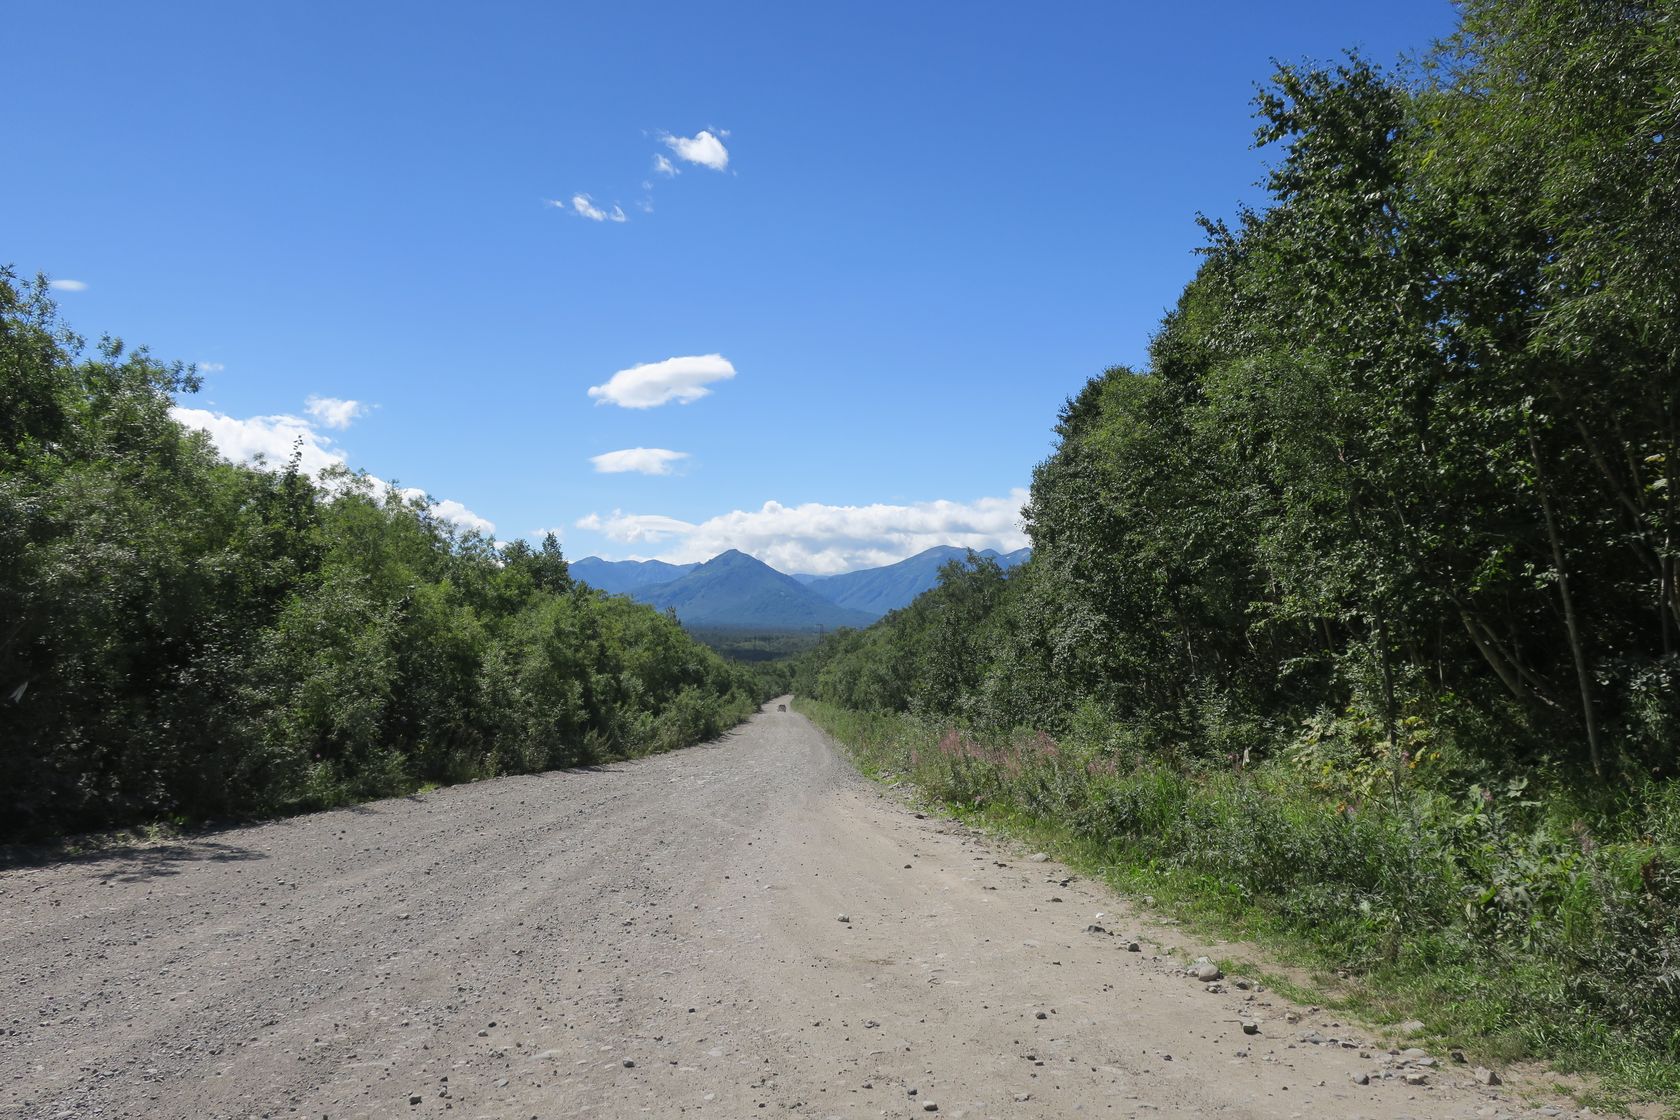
point(621, 577)
point(734, 590)
point(876, 591)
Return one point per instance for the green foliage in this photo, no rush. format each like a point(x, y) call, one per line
point(183, 637)
point(1405, 447)
point(1516, 926)
point(1360, 605)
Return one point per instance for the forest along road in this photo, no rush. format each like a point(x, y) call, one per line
point(655, 938)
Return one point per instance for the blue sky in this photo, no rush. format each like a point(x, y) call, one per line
point(933, 223)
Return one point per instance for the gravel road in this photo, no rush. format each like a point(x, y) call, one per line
point(653, 938)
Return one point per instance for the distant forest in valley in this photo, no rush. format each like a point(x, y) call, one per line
point(183, 638)
point(1355, 613)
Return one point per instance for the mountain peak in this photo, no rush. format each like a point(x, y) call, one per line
point(876, 591)
point(733, 589)
point(737, 589)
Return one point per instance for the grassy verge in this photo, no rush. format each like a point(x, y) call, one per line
point(1505, 924)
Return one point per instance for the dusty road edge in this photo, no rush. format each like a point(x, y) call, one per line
point(1534, 1083)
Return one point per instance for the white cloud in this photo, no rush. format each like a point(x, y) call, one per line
point(656, 383)
point(634, 527)
point(67, 285)
point(702, 148)
point(664, 166)
point(824, 539)
point(209, 367)
point(268, 441)
point(334, 412)
point(451, 511)
point(584, 207)
point(640, 460)
point(265, 439)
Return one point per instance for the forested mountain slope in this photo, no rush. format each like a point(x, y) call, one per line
point(758, 600)
point(625, 577)
point(890, 587)
point(733, 589)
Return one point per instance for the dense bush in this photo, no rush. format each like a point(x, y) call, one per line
point(1361, 601)
point(1515, 918)
point(182, 636)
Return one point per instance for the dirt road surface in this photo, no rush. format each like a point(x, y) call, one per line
point(656, 938)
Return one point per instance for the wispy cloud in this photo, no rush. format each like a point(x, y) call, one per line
point(67, 285)
point(664, 166)
point(209, 367)
point(638, 460)
point(656, 383)
point(632, 528)
point(584, 207)
point(823, 539)
point(334, 412)
point(702, 148)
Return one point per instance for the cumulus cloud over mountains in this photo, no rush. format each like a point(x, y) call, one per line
point(822, 539)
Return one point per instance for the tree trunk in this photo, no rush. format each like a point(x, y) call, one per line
point(1571, 624)
point(1503, 671)
point(1396, 767)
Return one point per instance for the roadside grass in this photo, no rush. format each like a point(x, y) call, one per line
point(1477, 922)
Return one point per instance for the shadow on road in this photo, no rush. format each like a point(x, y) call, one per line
point(138, 864)
point(133, 862)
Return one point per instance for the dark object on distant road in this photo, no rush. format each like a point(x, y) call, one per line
point(781, 707)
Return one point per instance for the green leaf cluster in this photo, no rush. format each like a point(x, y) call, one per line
point(1405, 448)
point(1359, 603)
point(183, 637)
